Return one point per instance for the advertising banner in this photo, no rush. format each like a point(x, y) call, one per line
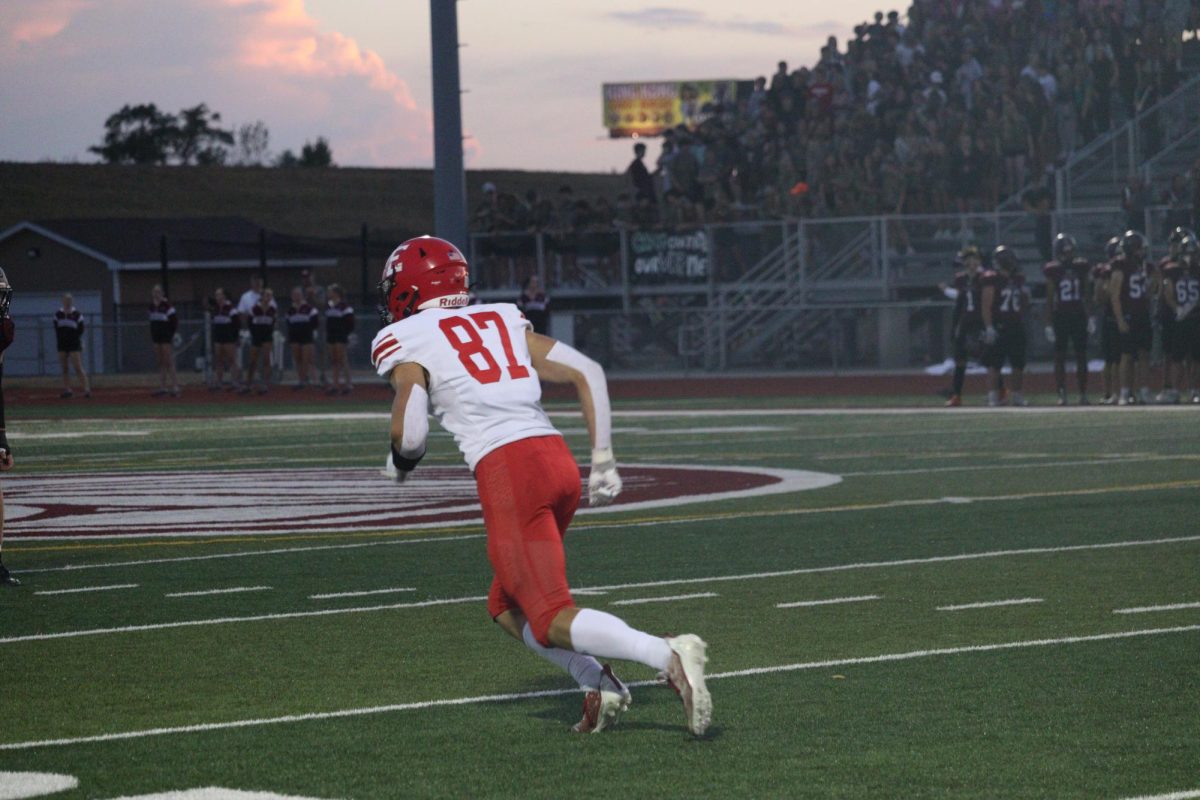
point(648, 109)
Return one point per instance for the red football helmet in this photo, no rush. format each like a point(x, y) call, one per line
point(425, 272)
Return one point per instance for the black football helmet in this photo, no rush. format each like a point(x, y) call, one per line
point(5, 294)
point(1112, 248)
point(1004, 258)
point(1133, 244)
point(1176, 240)
point(1065, 247)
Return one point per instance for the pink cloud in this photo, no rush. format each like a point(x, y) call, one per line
point(31, 22)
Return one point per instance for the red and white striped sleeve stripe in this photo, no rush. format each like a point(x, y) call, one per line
point(387, 346)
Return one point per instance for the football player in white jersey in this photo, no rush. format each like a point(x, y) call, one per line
point(480, 369)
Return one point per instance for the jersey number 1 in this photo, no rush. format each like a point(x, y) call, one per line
point(467, 342)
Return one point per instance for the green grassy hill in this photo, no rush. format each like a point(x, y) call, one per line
point(313, 202)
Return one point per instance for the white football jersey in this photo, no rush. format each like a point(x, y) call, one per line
point(482, 384)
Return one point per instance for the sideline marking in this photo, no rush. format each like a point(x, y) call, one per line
point(1020, 601)
point(89, 589)
point(18, 785)
point(213, 793)
point(585, 590)
point(361, 594)
point(231, 590)
point(1147, 609)
point(494, 698)
point(640, 600)
point(1189, 795)
point(829, 602)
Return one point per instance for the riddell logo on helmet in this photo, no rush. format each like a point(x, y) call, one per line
point(453, 301)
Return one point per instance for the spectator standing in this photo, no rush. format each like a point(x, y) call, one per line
point(339, 326)
point(245, 309)
point(640, 182)
point(7, 332)
point(302, 320)
point(164, 323)
point(534, 304)
point(262, 341)
point(226, 321)
point(68, 330)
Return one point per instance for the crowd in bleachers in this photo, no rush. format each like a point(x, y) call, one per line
point(951, 108)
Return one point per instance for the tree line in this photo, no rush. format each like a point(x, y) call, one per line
point(144, 134)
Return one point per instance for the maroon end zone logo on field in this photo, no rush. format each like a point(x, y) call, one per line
point(134, 504)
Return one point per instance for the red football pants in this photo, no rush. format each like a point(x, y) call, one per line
point(529, 490)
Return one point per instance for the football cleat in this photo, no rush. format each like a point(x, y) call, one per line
point(954, 402)
point(1062, 397)
point(685, 674)
point(1195, 398)
point(6, 578)
point(1108, 400)
point(603, 706)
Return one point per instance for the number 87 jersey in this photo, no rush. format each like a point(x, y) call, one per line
point(482, 384)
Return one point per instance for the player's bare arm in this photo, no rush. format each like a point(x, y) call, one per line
point(410, 420)
point(987, 297)
point(1114, 294)
point(556, 362)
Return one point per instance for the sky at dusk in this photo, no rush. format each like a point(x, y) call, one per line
point(357, 71)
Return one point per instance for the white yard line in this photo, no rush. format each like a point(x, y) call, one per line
point(89, 589)
point(192, 623)
point(494, 698)
point(1148, 609)
point(905, 562)
point(366, 593)
point(1189, 795)
point(1104, 461)
point(1020, 601)
point(640, 600)
point(230, 590)
point(831, 601)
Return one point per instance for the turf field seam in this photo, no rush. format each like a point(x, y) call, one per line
point(514, 696)
point(584, 590)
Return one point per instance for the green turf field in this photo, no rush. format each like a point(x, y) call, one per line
point(872, 680)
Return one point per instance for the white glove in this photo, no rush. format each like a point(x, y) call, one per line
point(604, 484)
point(1050, 334)
point(989, 335)
point(1091, 329)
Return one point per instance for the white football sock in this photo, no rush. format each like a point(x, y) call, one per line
point(583, 668)
point(601, 634)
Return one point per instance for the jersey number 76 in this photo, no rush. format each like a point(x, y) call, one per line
point(473, 354)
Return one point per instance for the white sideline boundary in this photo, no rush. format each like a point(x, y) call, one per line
point(586, 590)
point(513, 696)
point(1188, 795)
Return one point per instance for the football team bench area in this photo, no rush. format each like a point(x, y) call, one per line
point(227, 601)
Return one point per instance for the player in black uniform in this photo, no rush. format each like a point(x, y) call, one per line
point(6, 458)
point(1067, 314)
point(1164, 316)
point(1003, 302)
point(967, 321)
point(1110, 342)
point(1181, 295)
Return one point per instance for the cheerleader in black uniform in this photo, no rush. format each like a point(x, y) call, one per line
point(262, 341)
point(302, 321)
point(68, 330)
point(163, 325)
point(225, 324)
point(6, 460)
point(339, 324)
